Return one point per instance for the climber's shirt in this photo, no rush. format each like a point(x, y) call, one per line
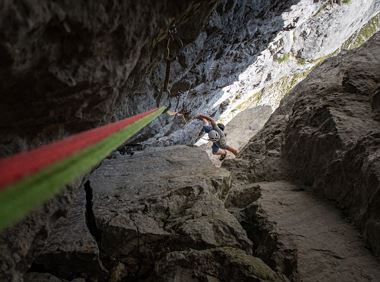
point(222, 141)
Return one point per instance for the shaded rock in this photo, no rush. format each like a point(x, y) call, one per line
point(219, 264)
point(256, 161)
point(361, 79)
point(242, 196)
point(305, 238)
point(72, 66)
point(246, 125)
point(332, 138)
point(324, 135)
point(118, 273)
point(21, 243)
point(70, 250)
point(162, 201)
point(47, 277)
point(375, 101)
point(41, 277)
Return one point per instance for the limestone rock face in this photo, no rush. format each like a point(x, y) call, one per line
point(333, 137)
point(21, 244)
point(153, 203)
point(67, 67)
point(70, 249)
point(323, 139)
point(158, 215)
point(167, 214)
point(219, 264)
point(278, 44)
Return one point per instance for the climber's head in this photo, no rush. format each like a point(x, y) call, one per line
point(214, 136)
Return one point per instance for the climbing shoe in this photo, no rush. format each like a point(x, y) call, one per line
point(222, 157)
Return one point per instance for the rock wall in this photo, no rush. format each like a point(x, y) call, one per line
point(332, 139)
point(20, 244)
point(70, 66)
point(325, 136)
point(73, 67)
point(306, 34)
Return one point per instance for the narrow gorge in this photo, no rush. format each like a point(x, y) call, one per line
point(297, 84)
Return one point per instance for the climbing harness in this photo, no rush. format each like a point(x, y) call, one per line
point(28, 179)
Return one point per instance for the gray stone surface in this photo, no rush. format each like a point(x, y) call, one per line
point(20, 244)
point(278, 44)
point(323, 137)
point(68, 67)
point(41, 277)
point(161, 201)
point(70, 250)
point(246, 125)
point(219, 264)
point(137, 215)
point(75, 66)
point(307, 237)
point(332, 139)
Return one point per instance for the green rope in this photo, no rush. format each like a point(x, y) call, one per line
point(19, 199)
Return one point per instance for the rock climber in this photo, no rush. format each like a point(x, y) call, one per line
point(217, 136)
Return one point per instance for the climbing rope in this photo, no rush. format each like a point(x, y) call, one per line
point(30, 178)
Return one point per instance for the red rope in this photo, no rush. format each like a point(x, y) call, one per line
point(23, 164)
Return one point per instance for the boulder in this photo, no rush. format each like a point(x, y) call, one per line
point(214, 265)
point(161, 201)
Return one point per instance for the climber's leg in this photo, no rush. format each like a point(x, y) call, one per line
point(232, 150)
point(218, 151)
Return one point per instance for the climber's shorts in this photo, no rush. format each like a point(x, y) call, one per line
point(215, 148)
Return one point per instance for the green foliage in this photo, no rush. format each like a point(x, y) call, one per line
point(282, 59)
point(346, 1)
point(362, 35)
point(301, 61)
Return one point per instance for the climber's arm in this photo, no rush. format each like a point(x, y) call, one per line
point(207, 119)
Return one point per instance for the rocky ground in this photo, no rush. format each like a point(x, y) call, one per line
point(153, 216)
point(306, 237)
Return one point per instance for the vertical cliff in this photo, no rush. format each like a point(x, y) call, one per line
point(69, 67)
point(320, 144)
